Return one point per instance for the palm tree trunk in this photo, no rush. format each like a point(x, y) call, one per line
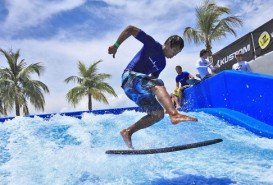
point(17, 108)
point(208, 47)
point(5, 112)
point(26, 110)
point(89, 101)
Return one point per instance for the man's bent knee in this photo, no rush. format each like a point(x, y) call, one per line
point(158, 87)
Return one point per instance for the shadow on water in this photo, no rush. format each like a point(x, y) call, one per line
point(193, 180)
point(57, 134)
point(4, 154)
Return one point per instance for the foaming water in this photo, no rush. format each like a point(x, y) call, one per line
point(66, 150)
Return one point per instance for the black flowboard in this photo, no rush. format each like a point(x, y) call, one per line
point(164, 150)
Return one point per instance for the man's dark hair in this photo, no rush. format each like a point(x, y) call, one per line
point(178, 67)
point(175, 41)
point(203, 51)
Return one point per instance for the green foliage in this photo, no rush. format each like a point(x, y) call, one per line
point(16, 86)
point(91, 84)
point(211, 25)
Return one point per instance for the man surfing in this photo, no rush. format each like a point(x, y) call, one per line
point(140, 79)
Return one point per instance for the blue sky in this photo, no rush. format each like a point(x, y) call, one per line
point(59, 33)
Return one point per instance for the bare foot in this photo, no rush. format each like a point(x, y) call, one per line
point(127, 138)
point(177, 118)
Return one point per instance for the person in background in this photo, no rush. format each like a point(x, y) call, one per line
point(140, 80)
point(181, 84)
point(240, 65)
point(182, 77)
point(203, 65)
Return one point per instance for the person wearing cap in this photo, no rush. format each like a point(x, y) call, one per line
point(140, 80)
point(203, 65)
point(241, 65)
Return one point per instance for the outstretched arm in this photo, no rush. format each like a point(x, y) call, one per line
point(191, 77)
point(213, 68)
point(129, 30)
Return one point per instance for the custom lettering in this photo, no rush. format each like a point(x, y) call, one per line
point(231, 56)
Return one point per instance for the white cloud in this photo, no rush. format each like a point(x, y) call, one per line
point(25, 13)
point(256, 13)
point(148, 13)
point(253, 12)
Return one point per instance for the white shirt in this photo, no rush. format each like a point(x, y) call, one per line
point(202, 66)
point(241, 66)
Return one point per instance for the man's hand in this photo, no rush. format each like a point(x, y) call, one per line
point(112, 50)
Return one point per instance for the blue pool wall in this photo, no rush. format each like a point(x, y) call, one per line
point(248, 93)
point(78, 114)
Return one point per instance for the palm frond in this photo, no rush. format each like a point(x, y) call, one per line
point(9, 58)
point(211, 24)
point(99, 96)
point(75, 95)
point(82, 68)
point(93, 68)
point(192, 34)
point(105, 87)
point(75, 79)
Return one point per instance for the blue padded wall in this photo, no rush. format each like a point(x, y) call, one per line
point(248, 93)
point(252, 94)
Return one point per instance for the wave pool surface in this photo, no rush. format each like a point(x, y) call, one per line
point(67, 150)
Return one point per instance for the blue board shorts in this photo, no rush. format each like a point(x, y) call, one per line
point(138, 87)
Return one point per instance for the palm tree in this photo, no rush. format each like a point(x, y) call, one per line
point(90, 84)
point(16, 86)
point(210, 24)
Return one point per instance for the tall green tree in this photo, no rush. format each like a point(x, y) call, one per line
point(17, 89)
point(211, 24)
point(90, 84)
